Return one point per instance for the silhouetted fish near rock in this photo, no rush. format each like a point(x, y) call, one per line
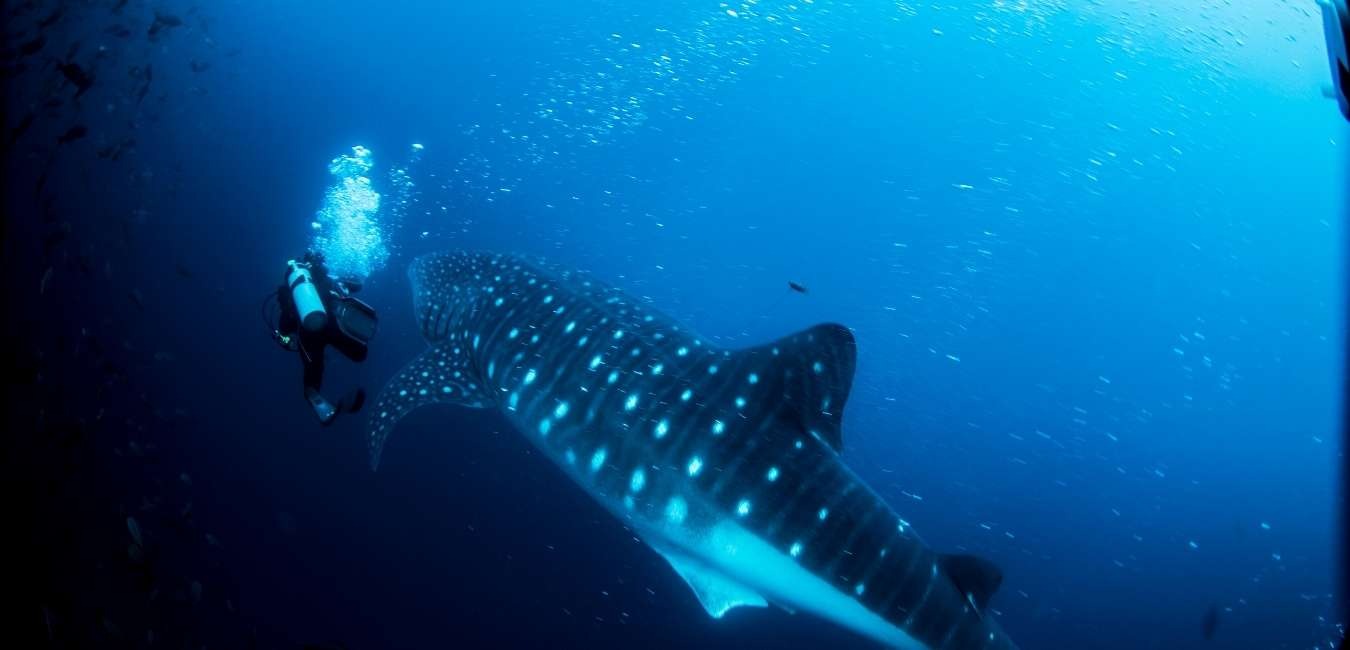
point(1210, 623)
point(72, 134)
point(162, 22)
point(77, 77)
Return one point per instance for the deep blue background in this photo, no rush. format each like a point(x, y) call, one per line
point(1088, 258)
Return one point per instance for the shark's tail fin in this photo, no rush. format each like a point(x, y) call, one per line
point(438, 375)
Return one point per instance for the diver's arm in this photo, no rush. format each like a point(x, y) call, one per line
point(288, 324)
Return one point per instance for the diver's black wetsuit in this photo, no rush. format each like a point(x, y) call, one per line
point(313, 345)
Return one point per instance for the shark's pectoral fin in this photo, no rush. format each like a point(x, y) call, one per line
point(976, 577)
point(437, 376)
point(715, 592)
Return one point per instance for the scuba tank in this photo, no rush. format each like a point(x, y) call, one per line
point(308, 304)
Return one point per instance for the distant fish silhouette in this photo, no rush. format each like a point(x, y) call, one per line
point(20, 128)
point(1210, 623)
point(162, 22)
point(52, 19)
point(796, 287)
point(72, 134)
point(33, 46)
point(76, 76)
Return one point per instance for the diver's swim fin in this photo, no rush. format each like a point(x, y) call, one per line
point(353, 401)
point(323, 409)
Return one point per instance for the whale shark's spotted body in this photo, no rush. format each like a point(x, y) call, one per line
point(725, 462)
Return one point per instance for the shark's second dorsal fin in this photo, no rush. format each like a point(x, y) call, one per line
point(975, 576)
point(816, 373)
point(439, 375)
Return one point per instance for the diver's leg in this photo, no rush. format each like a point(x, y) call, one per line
point(311, 355)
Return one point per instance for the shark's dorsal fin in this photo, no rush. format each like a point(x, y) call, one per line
point(437, 376)
point(435, 290)
point(975, 576)
point(815, 375)
point(717, 593)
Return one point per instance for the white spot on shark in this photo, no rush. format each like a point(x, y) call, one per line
point(676, 510)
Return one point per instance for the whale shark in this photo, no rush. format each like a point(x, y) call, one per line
point(726, 463)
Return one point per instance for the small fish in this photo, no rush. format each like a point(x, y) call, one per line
point(199, 66)
point(796, 287)
point(32, 47)
point(145, 88)
point(119, 31)
point(77, 77)
point(162, 22)
point(1210, 623)
point(137, 298)
point(183, 271)
point(46, 277)
point(115, 151)
point(135, 529)
point(20, 128)
point(117, 8)
point(54, 239)
point(72, 134)
point(52, 19)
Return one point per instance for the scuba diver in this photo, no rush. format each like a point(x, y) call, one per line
point(1336, 25)
point(317, 311)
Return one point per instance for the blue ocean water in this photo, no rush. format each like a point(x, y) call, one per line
point(1089, 255)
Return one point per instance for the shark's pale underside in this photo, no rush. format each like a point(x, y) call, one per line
point(726, 462)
